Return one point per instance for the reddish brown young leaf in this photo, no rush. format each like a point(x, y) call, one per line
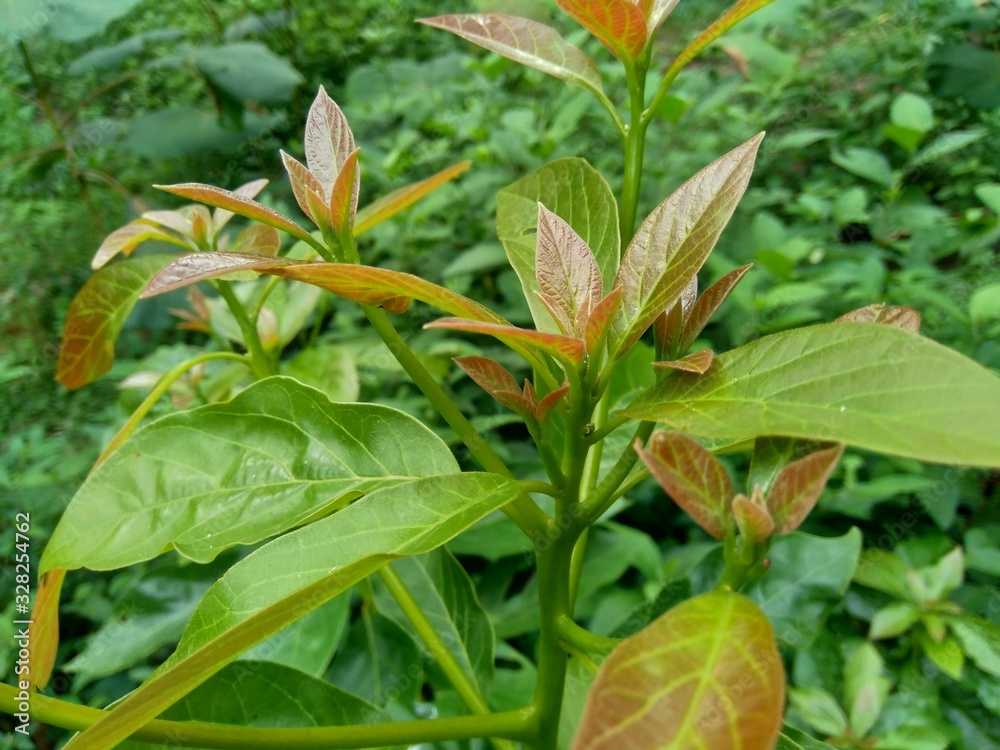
point(221, 216)
point(236, 204)
point(707, 675)
point(599, 322)
point(344, 197)
point(902, 317)
point(525, 41)
point(96, 317)
point(549, 401)
point(569, 280)
point(127, 238)
point(328, 141)
point(676, 239)
point(697, 362)
point(389, 205)
point(569, 350)
point(620, 25)
point(799, 485)
point(753, 519)
point(257, 239)
point(708, 304)
point(308, 192)
point(495, 379)
point(693, 477)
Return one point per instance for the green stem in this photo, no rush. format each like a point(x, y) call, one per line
point(466, 688)
point(635, 145)
point(523, 511)
point(164, 383)
point(550, 461)
point(606, 493)
point(582, 639)
point(515, 725)
point(261, 363)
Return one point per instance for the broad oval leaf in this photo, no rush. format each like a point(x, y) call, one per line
point(96, 317)
point(877, 387)
point(234, 203)
point(127, 238)
point(574, 191)
point(258, 239)
point(675, 240)
point(398, 200)
point(235, 473)
point(525, 41)
point(619, 24)
point(566, 348)
point(569, 280)
point(294, 574)
point(707, 674)
point(693, 477)
point(328, 141)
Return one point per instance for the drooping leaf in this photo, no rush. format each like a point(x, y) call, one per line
point(675, 240)
point(236, 204)
point(565, 348)
point(298, 572)
point(364, 284)
point(709, 303)
point(902, 317)
point(670, 686)
point(693, 477)
point(599, 323)
point(268, 695)
point(525, 41)
point(569, 280)
point(328, 141)
point(798, 486)
point(257, 239)
point(448, 599)
point(237, 473)
point(127, 238)
point(697, 362)
point(877, 387)
point(619, 24)
point(221, 216)
point(344, 196)
point(96, 317)
point(308, 192)
point(398, 200)
point(576, 192)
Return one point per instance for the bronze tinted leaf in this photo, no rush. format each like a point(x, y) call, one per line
point(709, 302)
point(125, 239)
point(307, 190)
point(398, 200)
point(565, 348)
point(569, 280)
point(697, 362)
point(799, 485)
point(344, 198)
point(620, 25)
point(221, 216)
point(328, 141)
point(902, 317)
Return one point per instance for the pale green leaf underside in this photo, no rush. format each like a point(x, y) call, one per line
point(576, 192)
point(236, 473)
point(298, 572)
point(873, 386)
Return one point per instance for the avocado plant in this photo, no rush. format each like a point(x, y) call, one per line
point(335, 497)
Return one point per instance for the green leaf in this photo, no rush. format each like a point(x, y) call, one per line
point(262, 694)
point(331, 369)
point(248, 72)
point(912, 111)
point(674, 682)
point(884, 571)
point(819, 709)
point(865, 688)
point(874, 386)
point(398, 200)
point(96, 317)
point(795, 739)
point(980, 639)
point(914, 737)
point(694, 478)
point(946, 655)
point(236, 473)
point(867, 163)
point(619, 24)
point(76, 20)
point(890, 315)
point(525, 41)
point(807, 577)
point(294, 574)
point(448, 599)
point(948, 143)
point(674, 241)
point(378, 661)
point(893, 620)
point(574, 191)
point(984, 304)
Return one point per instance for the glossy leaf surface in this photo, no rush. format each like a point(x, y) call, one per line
point(398, 200)
point(619, 24)
point(671, 686)
point(675, 240)
point(693, 477)
point(236, 473)
point(236, 204)
point(525, 41)
point(96, 317)
point(298, 572)
point(576, 192)
point(566, 348)
point(328, 141)
point(569, 280)
point(877, 387)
